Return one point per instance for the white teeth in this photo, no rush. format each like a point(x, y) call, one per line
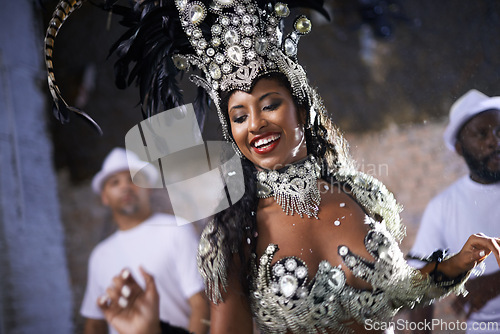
point(265, 141)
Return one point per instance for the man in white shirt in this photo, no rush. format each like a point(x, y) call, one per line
point(470, 205)
point(144, 239)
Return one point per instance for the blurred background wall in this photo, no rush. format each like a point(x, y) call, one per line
point(35, 292)
point(387, 70)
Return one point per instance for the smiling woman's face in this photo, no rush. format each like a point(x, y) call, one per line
point(265, 125)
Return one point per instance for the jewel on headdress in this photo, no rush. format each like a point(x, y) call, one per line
point(181, 4)
point(302, 25)
point(235, 54)
point(240, 10)
point(197, 13)
point(247, 43)
point(251, 55)
point(231, 37)
point(290, 47)
point(214, 70)
point(248, 30)
point(225, 20)
point(216, 29)
point(270, 64)
point(261, 45)
point(226, 68)
point(202, 44)
point(197, 33)
point(224, 3)
point(247, 19)
point(216, 41)
point(180, 62)
point(281, 9)
point(219, 58)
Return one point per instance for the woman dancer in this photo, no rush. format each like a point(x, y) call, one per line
point(313, 244)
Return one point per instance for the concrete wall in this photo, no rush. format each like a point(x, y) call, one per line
point(35, 295)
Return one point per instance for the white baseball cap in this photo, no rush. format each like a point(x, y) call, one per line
point(470, 104)
point(118, 160)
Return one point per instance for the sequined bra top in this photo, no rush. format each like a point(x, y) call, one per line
point(283, 300)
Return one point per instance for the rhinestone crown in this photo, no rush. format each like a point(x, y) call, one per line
point(245, 42)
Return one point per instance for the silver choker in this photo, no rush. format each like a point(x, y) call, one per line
point(295, 187)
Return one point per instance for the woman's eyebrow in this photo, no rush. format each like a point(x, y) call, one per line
point(239, 106)
point(267, 94)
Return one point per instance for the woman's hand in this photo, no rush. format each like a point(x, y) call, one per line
point(475, 250)
point(128, 308)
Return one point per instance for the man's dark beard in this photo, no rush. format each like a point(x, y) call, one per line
point(479, 167)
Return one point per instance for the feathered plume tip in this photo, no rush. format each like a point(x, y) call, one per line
point(60, 108)
point(145, 53)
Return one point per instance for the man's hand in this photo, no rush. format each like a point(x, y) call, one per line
point(128, 308)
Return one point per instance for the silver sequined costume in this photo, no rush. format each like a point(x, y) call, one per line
point(283, 300)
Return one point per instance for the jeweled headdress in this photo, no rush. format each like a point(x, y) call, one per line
point(245, 42)
point(231, 42)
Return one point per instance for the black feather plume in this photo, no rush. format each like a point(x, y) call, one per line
point(154, 35)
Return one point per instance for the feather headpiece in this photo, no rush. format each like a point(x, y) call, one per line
point(231, 43)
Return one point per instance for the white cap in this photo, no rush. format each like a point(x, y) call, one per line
point(119, 160)
point(470, 104)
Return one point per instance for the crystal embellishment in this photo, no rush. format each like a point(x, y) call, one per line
point(343, 250)
point(180, 62)
point(288, 285)
point(281, 9)
point(290, 264)
point(301, 272)
point(290, 47)
point(226, 67)
point(235, 54)
point(303, 25)
point(224, 3)
point(336, 279)
point(279, 270)
point(197, 13)
point(231, 37)
point(261, 45)
point(203, 246)
point(181, 4)
point(384, 253)
point(296, 191)
point(214, 70)
point(216, 29)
